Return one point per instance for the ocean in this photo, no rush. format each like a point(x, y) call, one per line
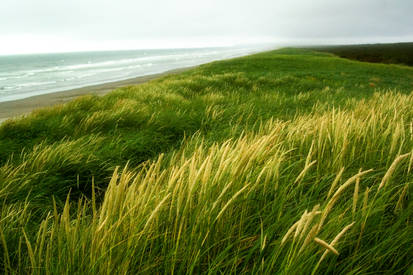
point(23, 76)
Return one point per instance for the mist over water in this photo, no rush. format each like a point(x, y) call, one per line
point(23, 76)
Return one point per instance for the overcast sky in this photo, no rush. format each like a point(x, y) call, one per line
point(72, 25)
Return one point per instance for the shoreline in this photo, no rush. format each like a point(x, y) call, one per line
point(19, 107)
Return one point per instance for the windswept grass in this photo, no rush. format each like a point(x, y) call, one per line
point(281, 162)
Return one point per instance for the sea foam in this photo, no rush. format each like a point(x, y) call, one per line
point(28, 75)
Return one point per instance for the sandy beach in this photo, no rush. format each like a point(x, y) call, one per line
point(15, 108)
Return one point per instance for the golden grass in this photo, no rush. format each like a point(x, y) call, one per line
point(180, 208)
point(326, 245)
point(391, 169)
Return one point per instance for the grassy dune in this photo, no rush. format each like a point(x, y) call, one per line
point(290, 162)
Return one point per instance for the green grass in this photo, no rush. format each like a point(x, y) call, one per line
point(395, 53)
point(237, 166)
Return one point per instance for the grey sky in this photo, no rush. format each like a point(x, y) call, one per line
point(54, 25)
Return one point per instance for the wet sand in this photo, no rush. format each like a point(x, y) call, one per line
point(15, 108)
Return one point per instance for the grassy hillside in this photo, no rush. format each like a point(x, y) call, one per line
point(288, 161)
point(395, 53)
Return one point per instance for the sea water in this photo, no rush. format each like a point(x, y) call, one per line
point(23, 76)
